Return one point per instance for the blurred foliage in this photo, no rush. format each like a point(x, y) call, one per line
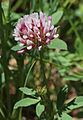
point(62, 67)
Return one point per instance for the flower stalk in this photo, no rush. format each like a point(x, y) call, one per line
point(49, 113)
point(26, 80)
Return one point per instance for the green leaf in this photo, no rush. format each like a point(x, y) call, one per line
point(5, 7)
point(27, 91)
point(57, 44)
point(56, 17)
point(79, 46)
point(17, 47)
point(64, 61)
point(1, 112)
point(26, 102)
point(3, 78)
point(73, 77)
point(75, 103)
point(15, 16)
point(62, 97)
point(65, 116)
point(39, 109)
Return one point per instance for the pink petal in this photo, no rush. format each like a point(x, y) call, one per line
point(21, 51)
point(21, 44)
point(50, 18)
point(42, 17)
point(39, 48)
point(52, 27)
point(47, 41)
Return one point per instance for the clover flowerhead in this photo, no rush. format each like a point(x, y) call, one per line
point(33, 31)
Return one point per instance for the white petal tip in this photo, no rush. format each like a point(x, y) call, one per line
point(29, 47)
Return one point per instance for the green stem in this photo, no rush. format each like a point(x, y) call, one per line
point(29, 73)
point(9, 9)
point(17, 5)
point(33, 4)
point(4, 60)
point(53, 63)
point(26, 80)
point(41, 4)
point(22, 96)
point(50, 3)
point(70, 20)
point(42, 69)
point(72, 25)
point(46, 61)
point(49, 114)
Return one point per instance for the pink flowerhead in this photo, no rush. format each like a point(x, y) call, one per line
point(32, 31)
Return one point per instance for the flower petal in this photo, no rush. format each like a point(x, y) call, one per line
point(39, 48)
point(21, 51)
point(29, 47)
